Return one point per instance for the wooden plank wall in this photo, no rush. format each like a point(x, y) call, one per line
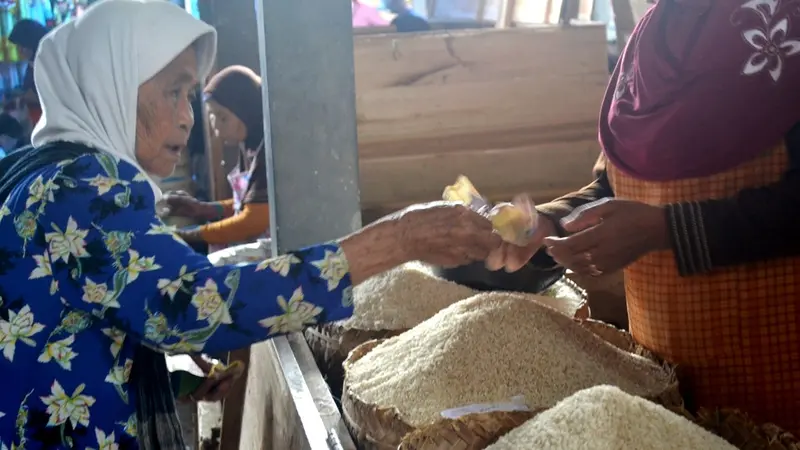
point(515, 110)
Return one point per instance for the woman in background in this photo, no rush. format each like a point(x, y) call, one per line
point(697, 199)
point(233, 97)
point(367, 16)
point(406, 21)
point(26, 35)
point(12, 134)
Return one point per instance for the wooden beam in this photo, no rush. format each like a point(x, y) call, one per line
point(233, 405)
point(548, 11)
point(433, 106)
point(508, 9)
point(624, 20)
point(569, 11)
point(288, 406)
point(480, 13)
point(430, 5)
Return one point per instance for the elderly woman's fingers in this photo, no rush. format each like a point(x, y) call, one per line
point(204, 389)
point(577, 258)
point(497, 257)
point(518, 257)
point(220, 390)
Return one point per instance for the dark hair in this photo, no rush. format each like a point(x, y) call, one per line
point(28, 33)
point(9, 126)
point(238, 89)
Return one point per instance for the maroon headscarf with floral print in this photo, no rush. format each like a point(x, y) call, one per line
point(703, 86)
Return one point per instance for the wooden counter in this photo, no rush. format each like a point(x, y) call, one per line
point(515, 110)
point(293, 409)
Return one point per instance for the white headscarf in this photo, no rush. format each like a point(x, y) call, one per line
point(88, 71)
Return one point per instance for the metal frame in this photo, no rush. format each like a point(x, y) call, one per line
point(307, 70)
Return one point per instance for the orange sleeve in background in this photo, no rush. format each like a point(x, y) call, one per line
point(227, 206)
point(246, 226)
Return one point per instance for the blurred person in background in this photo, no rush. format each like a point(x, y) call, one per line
point(12, 134)
point(233, 97)
point(26, 35)
point(367, 16)
point(406, 21)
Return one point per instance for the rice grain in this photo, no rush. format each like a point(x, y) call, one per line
point(490, 348)
point(606, 418)
point(401, 298)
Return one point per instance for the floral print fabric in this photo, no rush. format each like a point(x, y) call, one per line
point(88, 272)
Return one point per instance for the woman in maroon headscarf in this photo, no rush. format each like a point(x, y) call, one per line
point(697, 198)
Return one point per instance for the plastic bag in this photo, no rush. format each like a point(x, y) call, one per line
point(515, 222)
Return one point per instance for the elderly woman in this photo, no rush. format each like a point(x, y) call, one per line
point(95, 289)
point(233, 97)
point(697, 198)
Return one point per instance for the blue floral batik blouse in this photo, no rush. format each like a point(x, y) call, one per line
point(88, 272)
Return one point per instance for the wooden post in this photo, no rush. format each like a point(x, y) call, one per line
point(507, 14)
point(480, 14)
point(569, 10)
point(623, 18)
point(233, 405)
point(548, 10)
point(430, 5)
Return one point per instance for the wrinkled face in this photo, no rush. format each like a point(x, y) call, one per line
point(225, 125)
point(164, 115)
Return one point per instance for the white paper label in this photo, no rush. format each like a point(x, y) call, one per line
point(515, 404)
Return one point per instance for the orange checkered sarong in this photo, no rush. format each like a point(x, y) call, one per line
point(733, 332)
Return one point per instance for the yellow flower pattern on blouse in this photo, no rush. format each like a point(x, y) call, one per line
point(88, 273)
point(296, 314)
point(64, 407)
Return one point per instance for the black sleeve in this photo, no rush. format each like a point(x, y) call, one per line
point(27, 82)
point(563, 206)
point(757, 224)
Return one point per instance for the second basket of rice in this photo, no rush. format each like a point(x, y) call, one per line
point(600, 418)
point(396, 301)
point(499, 355)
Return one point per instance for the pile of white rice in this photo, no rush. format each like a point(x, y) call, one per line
point(606, 418)
point(490, 348)
point(401, 298)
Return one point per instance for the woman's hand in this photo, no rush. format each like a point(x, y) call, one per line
point(512, 257)
point(608, 235)
point(441, 233)
point(219, 380)
point(190, 235)
point(446, 234)
point(184, 205)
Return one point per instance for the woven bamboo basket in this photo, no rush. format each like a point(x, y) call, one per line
point(470, 432)
point(745, 434)
point(332, 343)
point(378, 428)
